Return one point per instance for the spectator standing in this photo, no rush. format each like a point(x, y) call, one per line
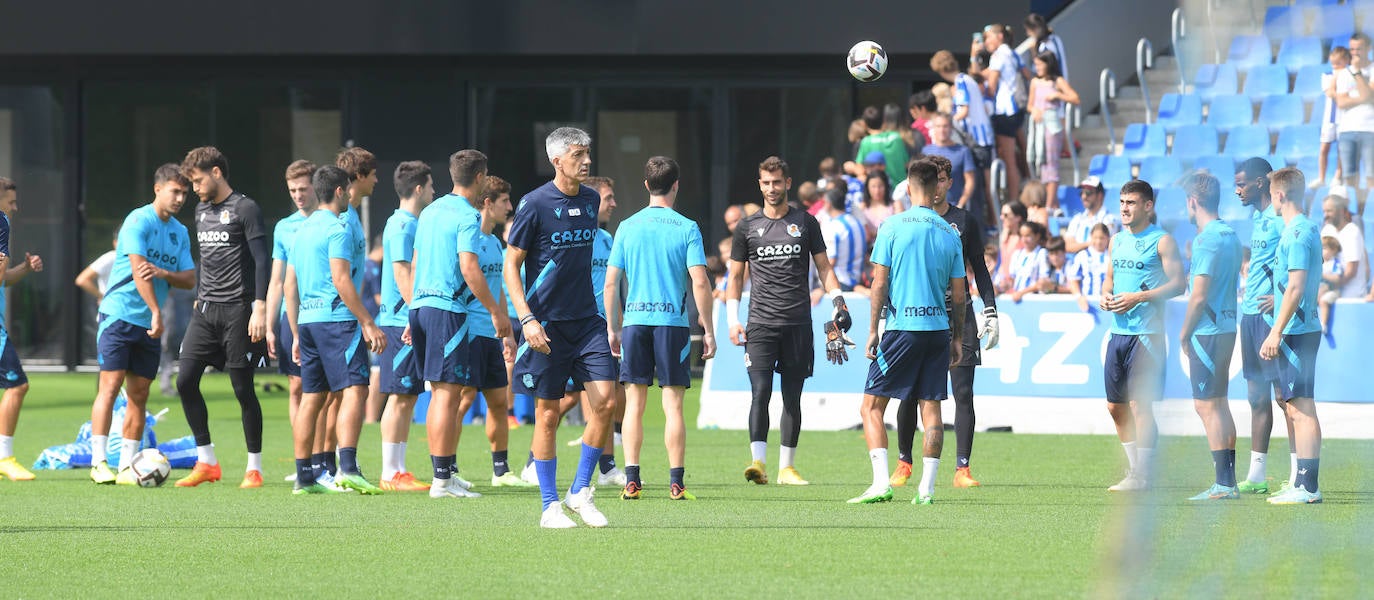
point(886, 142)
point(964, 167)
point(1043, 39)
point(1355, 125)
point(1003, 81)
point(970, 115)
point(1338, 60)
point(1049, 91)
point(922, 107)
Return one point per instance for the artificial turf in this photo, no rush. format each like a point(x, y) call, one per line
point(1042, 525)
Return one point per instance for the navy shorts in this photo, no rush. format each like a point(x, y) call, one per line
point(781, 348)
point(333, 357)
point(1297, 365)
point(911, 365)
point(1209, 364)
point(400, 373)
point(123, 346)
point(486, 365)
point(11, 372)
point(1135, 368)
point(649, 350)
point(578, 349)
point(1253, 330)
point(440, 340)
point(285, 365)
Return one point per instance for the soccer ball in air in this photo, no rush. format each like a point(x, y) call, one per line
point(150, 468)
point(867, 61)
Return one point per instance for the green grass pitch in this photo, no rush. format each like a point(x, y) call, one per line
point(1043, 525)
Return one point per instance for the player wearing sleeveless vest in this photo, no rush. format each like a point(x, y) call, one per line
point(1145, 271)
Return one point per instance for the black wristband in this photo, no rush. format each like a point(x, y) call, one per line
point(526, 319)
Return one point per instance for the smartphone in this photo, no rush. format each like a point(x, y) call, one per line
point(978, 37)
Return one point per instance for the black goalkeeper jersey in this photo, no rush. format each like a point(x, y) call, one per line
point(779, 253)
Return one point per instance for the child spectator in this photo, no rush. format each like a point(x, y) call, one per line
point(1089, 270)
point(1033, 196)
point(1049, 91)
point(1030, 263)
point(1327, 291)
point(1056, 277)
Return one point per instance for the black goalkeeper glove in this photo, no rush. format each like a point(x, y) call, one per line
point(835, 342)
point(841, 317)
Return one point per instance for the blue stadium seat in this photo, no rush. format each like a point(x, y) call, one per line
point(1160, 171)
point(1179, 109)
point(1118, 171)
point(1249, 51)
point(1214, 80)
point(1281, 22)
point(1314, 200)
point(1265, 80)
point(1309, 164)
point(1231, 210)
point(1143, 140)
point(1230, 111)
point(1193, 141)
point(1097, 165)
point(1334, 23)
point(1299, 141)
point(1111, 199)
point(1298, 52)
point(1314, 2)
point(1243, 226)
point(1276, 161)
point(1184, 233)
point(1222, 167)
point(1070, 200)
point(1171, 204)
point(1364, 15)
point(1277, 112)
point(1247, 141)
point(1309, 84)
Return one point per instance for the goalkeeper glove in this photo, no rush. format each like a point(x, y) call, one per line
point(989, 332)
point(841, 317)
point(835, 342)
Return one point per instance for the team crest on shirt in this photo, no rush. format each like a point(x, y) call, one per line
point(955, 227)
point(528, 378)
point(1140, 245)
point(793, 230)
point(224, 217)
point(172, 235)
point(589, 209)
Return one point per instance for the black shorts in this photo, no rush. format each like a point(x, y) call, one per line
point(218, 336)
point(982, 158)
point(1135, 368)
point(1008, 125)
point(973, 351)
point(1209, 364)
point(911, 365)
point(782, 348)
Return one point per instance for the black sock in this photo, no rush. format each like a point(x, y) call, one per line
point(675, 477)
point(907, 413)
point(348, 460)
point(1225, 463)
point(632, 473)
point(961, 382)
point(498, 463)
point(305, 473)
point(331, 463)
point(318, 464)
point(607, 462)
point(617, 426)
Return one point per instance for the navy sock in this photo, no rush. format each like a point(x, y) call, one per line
point(607, 462)
point(499, 466)
point(1225, 463)
point(585, 465)
point(617, 426)
point(675, 477)
point(348, 461)
point(443, 466)
point(1307, 473)
point(548, 480)
point(305, 473)
point(319, 464)
point(331, 463)
point(529, 461)
point(632, 473)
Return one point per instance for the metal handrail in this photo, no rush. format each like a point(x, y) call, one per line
point(1144, 59)
point(1070, 112)
point(1106, 90)
point(1179, 31)
point(997, 172)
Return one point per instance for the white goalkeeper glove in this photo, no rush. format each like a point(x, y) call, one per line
point(989, 332)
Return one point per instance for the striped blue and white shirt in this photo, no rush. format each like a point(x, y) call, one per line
point(976, 124)
point(1054, 44)
point(1329, 110)
point(1008, 67)
point(1090, 270)
point(846, 247)
point(1027, 267)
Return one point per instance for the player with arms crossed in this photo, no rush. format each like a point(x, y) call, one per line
point(1145, 271)
point(228, 327)
point(400, 374)
point(658, 251)
point(279, 339)
point(777, 243)
point(1208, 336)
point(1296, 335)
point(152, 254)
point(917, 258)
point(552, 234)
point(332, 330)
point(14, 381)
point(961, 373)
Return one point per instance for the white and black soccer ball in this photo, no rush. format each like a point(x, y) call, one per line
point(867, 61)
point(150, 468)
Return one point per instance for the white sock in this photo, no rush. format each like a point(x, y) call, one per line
point(1144, 460)
point(759, 451)
point(928, 468)
point(389, 460)
point(400, 458)
point(1256, 467)
point(206, 454)
point(1129, 447)
point(1292, 469)
point(786, 457)
point(254, 462)
point(99, 444)
point(6, 446)
point(879, 458)
point(127, 452)
point(617, 439)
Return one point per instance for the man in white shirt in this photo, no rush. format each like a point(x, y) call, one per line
point(1355, 268)
point(1355, 140)
point(1094, 212)
point(1004, 83)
